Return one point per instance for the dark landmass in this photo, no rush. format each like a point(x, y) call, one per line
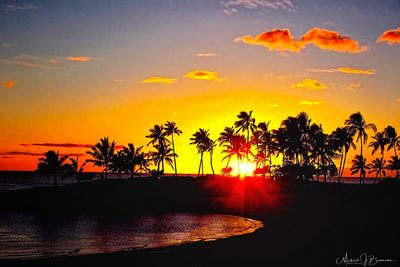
point(306, 223)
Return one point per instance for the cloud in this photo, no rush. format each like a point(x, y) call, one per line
point(9, 84)
point(66, 145)
point(333, 41)
point(35, 154)
point(205, 75)
point(18, 7)
point(31, 61)
point(79, 58)
point(232, 6)
point(346, 70)
point(309, 103)
point(158, 79)
point(206, 54)
point(280, 40)
point(352, 87)
point(390, 36)
point(311, 84)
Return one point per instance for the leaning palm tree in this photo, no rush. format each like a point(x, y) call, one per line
point(54, 164)
point(393, 141)
point(210, 149)
point(378, 167)
point(170, 130)
point(342, 139)
point(359, 166)
point(77, 170)
point(102, 154)
point(201, 140)
point(245, 122)
point(225, 139)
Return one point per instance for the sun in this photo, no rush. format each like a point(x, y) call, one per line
point(245, 169)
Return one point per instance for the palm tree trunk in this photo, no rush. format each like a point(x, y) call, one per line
point(162, 162)
point(238, 163)
point(344, 164)
point(340, 165)
point(361, 151)
point(173, 149)
point(201, 160)
point(270, 166)
point(395, 154)
point(211, 163)
point(227, 164)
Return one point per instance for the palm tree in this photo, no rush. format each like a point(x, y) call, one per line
point(170, 130)
point(359, 166)
point(378, 166)
point(118, 163)
point(201, 140)
point(77, 170)
point(157, 135)
point(210, 149)
point(54, 164)
point(245, 122)
point(394, 164)
point(356, 124)
point(225, 139)
point(102, 154)
point(132, 157)
point(163, 153)
point(342, 138)
point(239, 148)
point(379, 143)
point(393, 141)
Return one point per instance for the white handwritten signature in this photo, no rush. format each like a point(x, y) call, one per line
point(364, 259)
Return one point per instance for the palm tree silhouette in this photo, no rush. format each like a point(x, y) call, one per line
point(170, 130)
point(239, 148)
point(210, 149)
point(133, 158)
point(356, 124)
point(163, 153)
point(157, 135)
point(342, 139)
point(201, 140)
point(359, 166)
point(225, 139)
point(393, 141)
point(102, 154)
point(379, 143)
point(77, 170)
point(377, 166)
point(54, 164)
point(394, 164)
point(245, 122)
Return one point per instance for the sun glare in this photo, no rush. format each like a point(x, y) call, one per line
point(245, 169)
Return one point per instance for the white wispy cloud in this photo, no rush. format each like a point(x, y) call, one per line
point(232, 6)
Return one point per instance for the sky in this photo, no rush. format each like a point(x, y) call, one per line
point(72, 72)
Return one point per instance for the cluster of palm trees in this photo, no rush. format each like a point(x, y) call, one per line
point(306, 151)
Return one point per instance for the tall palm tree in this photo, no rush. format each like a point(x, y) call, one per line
point(379, 143)
point(157, 135)
point(393, 140)
point(359, 166)
point(245, 122)
point(201, 140)
point(76, 170)
point(54, 164)
point(210, 149)
point(378, 167)
point(358, 126)
point(170, 130)
point(102, 154)
point(394, 164)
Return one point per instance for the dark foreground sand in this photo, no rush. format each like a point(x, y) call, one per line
point(306, 224)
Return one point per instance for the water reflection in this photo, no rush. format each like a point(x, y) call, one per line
point(32, 236)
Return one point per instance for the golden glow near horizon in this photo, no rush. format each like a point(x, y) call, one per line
point(101, 77)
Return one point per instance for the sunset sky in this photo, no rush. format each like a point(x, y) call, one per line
point(75, 71)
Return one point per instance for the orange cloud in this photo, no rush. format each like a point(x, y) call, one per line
point(345, 70)
point(280, 40)
point(309, 102)
point(331, 40)
point(390, 36)
point(9, 84)
point(206, 75)
point(80, 59)
point(158, 79)
point(311, 84)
